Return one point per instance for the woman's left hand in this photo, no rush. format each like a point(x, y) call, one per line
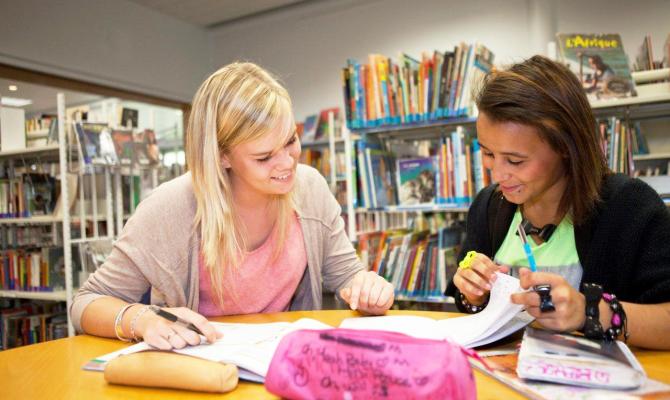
point(368, 293)
point(570, 303)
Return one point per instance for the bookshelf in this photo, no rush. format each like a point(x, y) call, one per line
point(30, 270)
point(47, 252)
point(58, 295)
point(337, 146)
point(647, 115)
point(651, 104)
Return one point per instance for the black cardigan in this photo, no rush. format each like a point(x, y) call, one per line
point(624, 245)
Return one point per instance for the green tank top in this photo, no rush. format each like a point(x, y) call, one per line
point(558, 255)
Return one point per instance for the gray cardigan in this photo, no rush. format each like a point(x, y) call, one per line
point(159, 249)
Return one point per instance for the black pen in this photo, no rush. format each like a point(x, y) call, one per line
point(173, 318)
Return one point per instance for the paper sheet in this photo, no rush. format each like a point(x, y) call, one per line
point(500, 318)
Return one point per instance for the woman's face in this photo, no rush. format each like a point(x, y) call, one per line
point(265, 166)
point(526, 168)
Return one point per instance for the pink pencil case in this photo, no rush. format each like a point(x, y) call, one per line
point(367, 364)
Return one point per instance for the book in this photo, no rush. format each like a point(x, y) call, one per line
point(96, 144)
point(309, 128)
point(600, 63)
point(145, 146)
point(498, 320)
point(645, 55)
point(249, 346)
point(379, 167)
point(123, 145)
point(323, 125)
point(40, 193)
point(576, 360)
point(501, 364)
point(416, 180)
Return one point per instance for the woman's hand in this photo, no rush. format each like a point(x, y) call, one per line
point(570, 303)
point(368, 293)
point(475, 282)
point(166, 335)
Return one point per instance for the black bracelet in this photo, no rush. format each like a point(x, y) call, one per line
point(593, 329)
point(469, 307)
point(618, 324)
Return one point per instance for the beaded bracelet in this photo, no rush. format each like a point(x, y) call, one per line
point(118, 328)
point(469, 307)
point(618, 323)
point(134, 321)
point(592, 327)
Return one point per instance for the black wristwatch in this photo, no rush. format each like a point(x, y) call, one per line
point(593, 329)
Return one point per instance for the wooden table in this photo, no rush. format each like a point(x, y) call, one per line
point(53, 369)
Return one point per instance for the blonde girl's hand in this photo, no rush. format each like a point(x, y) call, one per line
point(368, 293)
point(165, 335)
point(570, 304)
point(475, 281)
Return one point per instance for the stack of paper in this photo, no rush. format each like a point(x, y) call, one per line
point(500, 318)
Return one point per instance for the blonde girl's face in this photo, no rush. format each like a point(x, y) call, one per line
point(526, 168)
point(265, 166)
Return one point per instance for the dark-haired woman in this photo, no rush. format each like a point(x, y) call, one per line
point(601, 240)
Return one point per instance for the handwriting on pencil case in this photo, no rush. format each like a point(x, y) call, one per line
point(367, 364)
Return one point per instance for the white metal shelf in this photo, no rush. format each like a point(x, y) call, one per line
point(38, 219)
point(651, 156)
point(59, 295)
point(631, 101)
point(30, 152)
point(50, 219)
point(321, 143)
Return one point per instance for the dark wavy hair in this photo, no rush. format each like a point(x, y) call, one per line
point(547, 96)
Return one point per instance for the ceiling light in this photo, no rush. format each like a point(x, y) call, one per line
point(13, 88)
point(15, 102)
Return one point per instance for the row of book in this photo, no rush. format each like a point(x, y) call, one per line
point(28, 195)
point(392, 92)
point(316, 126)
point(23, 323)
point(41, 131)
point(417, 263)
point(100, 144)
point(371, 222)
point(22, 236)
point(452, 174)
point(320, 159)
point(32, 270)
point(645, 59)
point(619, 141)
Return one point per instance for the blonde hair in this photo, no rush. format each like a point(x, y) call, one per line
point(238, 103)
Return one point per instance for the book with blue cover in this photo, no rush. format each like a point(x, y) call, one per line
point(416, 180)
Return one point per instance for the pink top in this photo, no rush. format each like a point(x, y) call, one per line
point(256, 286)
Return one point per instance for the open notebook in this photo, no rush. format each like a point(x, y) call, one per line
point(251, 346)
point(499, 319)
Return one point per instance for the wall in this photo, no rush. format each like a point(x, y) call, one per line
point(115, 43)
point(307, 46)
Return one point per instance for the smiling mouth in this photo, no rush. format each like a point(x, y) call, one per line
point(282, 177)
point(515, 188)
